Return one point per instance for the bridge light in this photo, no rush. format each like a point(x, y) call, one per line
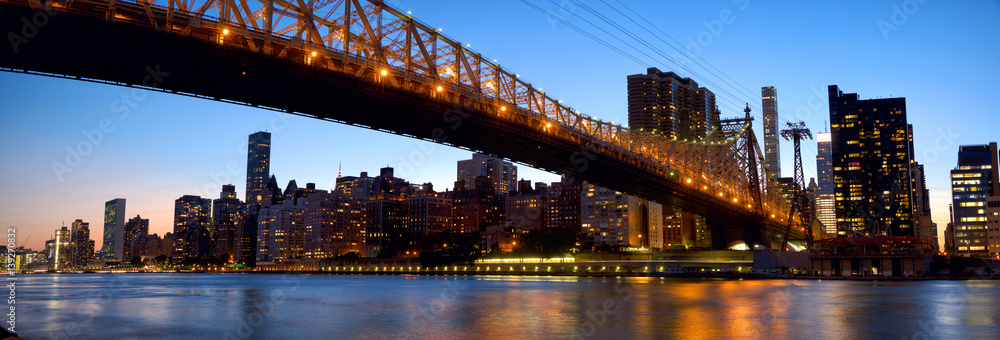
point(720, 194)
point(384, 72)
point(440, 89)
point(689, 180)
point(548, 125)
point(225, 31)
point(503, 108)
point(734, 200)
point(314, 53)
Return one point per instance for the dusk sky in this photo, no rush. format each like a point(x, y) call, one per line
point(944, 57)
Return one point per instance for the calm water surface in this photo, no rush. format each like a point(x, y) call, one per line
point(254, 306)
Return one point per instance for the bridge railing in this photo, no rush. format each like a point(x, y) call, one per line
point(393, 49)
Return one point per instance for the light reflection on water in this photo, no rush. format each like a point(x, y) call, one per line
point(257, 306)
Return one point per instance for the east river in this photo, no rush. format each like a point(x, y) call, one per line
point(262, 306)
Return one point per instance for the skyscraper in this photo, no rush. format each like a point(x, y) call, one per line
point(135, 231)
point(227, 217)
point(870, 144)
point(114, 230)
point(826, 211)
point(668, 105)
point(769, 100)
point(192, 218)
point(83, 246)
point(502, 174)
point(923, 227)
point(258, 167)
point(60, 253)
point(972, 182)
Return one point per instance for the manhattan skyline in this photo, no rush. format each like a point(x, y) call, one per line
point(160, 147)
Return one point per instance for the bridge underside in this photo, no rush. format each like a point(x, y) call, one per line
point(81, 47)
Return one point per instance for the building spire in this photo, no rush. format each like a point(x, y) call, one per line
point(340, 170)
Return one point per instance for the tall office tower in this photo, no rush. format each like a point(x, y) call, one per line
point(502, 174)
point(83, 246)
point(61, 250)
point(668, 105)
point(474, 208)
point(192, 220)
point(610, 217)
point(227, 217)
point(562, 207)
point(972, 182)
point(335, 225)
point(430, 213)
point(258, 168)
point(772, 157)
point(924, 227)
point(871, 165)
point(135, 231)
point(114, 230)
point(385, 226)
point(993, 224)
point(826, 211)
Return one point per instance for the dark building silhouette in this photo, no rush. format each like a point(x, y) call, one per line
point(473, 208)
point(668, 105)
point(562, 207)
point(872, 157)
point(136, 230)
point(385, 226)
point(82, 245)
point(192, 218)
point(227, 217)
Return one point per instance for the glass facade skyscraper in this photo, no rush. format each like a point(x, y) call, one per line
point(258, 168)
point(113, 247)
point(972, 182)
point(870, 144)
point(825, 203)
point(772, 154)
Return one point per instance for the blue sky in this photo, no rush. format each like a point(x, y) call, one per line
point(944, 57)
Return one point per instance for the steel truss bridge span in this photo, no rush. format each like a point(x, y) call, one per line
point(368, 64)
